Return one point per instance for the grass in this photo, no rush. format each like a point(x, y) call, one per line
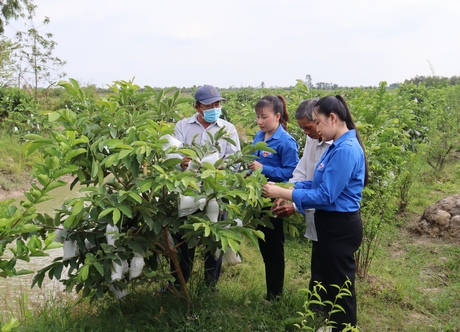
point(410, 280)
point(413, 286)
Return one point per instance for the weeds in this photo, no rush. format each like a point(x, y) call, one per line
point(15, 166)
point(310, 316)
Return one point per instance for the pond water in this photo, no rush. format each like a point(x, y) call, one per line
point(16, 291)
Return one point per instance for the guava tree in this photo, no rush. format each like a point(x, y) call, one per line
point(21, 235)
point(116, 231)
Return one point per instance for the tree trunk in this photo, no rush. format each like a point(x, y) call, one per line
point(171, 254)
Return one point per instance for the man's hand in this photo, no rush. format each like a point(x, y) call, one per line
point(284, 210)
point(279, 201)
point(185, 161)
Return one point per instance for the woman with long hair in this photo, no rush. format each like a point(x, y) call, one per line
point(272, 118)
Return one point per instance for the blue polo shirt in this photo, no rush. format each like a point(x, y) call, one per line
point(338, 180)
point(278, 167)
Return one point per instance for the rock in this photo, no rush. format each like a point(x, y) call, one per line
point(454, 230)
point(441, 219)
point(451, 204)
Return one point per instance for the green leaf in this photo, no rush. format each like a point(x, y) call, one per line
point(136, 247)
point(136, 197)
point(53, 245)
point(145, 185)
point(224, 243)
point(230, 234)
point(240, 179)
point(123, 153)
point(84, 271)
point(38, 279)
point(53, 116)
point(55, 184)
point(105, 212)
point(43, 179)
point(116, 215)
point(159, 169)
point(207, 230)
point(157, 226)
point(65, 170)
point(263, 146)
point(234, 245)
point(172, 162)
point(69, 221)
point(77, 207)
point(28, 228)
point(126, 210)
point(188, 152)
point(58, 270)
point(110, 160)
point(11, 325)
point(73, 153)
point(99, 268)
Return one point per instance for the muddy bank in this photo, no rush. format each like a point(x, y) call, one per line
point(7, 194)
point(22, 187)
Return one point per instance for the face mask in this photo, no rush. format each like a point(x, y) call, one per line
point(212, 114)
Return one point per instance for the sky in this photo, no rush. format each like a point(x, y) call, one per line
point(242, 43)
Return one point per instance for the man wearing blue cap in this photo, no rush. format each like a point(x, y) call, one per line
point(207, 120)
point(196, 128)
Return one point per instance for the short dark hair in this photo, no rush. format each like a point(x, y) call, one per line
point(305, 109)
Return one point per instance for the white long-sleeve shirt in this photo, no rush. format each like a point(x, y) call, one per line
point(313, 151)
point(186, 129)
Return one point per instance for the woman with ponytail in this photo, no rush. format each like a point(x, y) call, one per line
point(335, 193)
point(272, 118)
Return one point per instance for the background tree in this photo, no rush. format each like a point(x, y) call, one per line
point(36, 61)
point(11, 9)
point(7, 68)
point(309, 81)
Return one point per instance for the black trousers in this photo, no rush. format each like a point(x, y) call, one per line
point(332, 259)
point(272, 250)
point(212, 267)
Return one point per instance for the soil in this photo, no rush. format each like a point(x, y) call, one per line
point(8, 194)
point(22, 187)
point(4, 194)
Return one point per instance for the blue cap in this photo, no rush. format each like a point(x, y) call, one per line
point(207, 94)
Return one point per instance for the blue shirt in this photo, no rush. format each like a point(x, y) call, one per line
point(338, 180)
point(278, 167)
